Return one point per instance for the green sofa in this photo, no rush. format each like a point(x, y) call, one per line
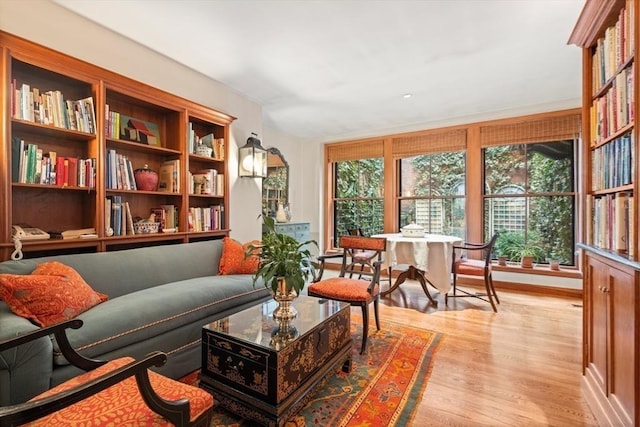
point(159, 299)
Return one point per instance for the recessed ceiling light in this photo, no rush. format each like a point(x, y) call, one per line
point(406, 96)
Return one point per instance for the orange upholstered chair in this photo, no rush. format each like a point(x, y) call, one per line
point(360, 291)
point(119, 392)
point(474, 267)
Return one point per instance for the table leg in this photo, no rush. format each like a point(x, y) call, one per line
point(412, 273)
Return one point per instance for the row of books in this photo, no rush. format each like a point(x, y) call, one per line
point(50, 108)
point(111, 123)
point(215, 144)
point(207, 181)
point(32, 165)
point(119, 172)
point(614, 110)
point(612, 164)
point(119, 219)
point(611, 227)
point(206, 219)
point(117, 216)
point(615, 48)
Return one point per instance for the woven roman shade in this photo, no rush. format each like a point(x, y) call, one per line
point(531, 131)
point(437, 142)
point(343, 151)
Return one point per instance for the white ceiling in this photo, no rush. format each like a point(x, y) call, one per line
point(329, 69)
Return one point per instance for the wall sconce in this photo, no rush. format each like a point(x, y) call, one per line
point(252, 160)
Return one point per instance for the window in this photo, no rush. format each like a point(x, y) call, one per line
point(358, 203)
point(529, 198)
point(432, 192)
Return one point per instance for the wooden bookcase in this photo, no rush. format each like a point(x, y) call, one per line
point(59, 206)
point(608, 34)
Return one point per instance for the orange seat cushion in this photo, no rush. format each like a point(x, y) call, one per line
point(342, 288)
point(122, 404)
point(470, 267)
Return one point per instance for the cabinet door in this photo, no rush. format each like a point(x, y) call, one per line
point(598, 321)
point(622, 332)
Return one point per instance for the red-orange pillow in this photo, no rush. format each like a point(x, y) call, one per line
point(53, 292)
point(233, 260)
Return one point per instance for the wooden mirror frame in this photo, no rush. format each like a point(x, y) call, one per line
point(275, 187)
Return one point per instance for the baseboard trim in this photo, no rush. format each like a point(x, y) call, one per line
point(513, 286)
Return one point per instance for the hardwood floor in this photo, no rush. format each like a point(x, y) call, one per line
point(518, 367)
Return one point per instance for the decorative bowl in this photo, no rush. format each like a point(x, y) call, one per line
point(412, 230)
point(146, 227)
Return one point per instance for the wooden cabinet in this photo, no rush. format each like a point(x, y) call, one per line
point(611, 347)
point(297, 230)
point(59, 114)
point(608, 32)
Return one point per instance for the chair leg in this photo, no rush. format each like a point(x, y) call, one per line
point(487, 285)
point(495, 295)
point(365, 327)
point(375, 312)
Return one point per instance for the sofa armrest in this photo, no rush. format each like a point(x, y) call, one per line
point(59, 331)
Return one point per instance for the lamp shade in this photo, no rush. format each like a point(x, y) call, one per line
point(252, 159)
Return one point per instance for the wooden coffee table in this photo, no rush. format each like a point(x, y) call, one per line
point(267, 372)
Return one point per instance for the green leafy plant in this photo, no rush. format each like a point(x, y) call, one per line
point(282, 256)
point(514, 247)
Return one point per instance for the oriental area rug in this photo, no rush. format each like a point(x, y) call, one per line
point(384, 386)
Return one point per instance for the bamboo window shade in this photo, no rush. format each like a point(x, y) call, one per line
point(437, 142)
point(345, 151)
point(533, 131)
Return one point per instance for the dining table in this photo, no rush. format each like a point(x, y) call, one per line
point(428, 260)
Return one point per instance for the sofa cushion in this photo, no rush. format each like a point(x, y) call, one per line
point(233, 260)
point(142, 315)
point(53, 292)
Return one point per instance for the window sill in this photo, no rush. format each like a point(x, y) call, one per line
point(542, 270)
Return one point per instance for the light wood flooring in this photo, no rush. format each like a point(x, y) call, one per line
point(518, 367)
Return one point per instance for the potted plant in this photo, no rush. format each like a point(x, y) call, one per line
point(554, 261)
point(285, 266)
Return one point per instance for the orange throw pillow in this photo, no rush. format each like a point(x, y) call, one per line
point(52, 293)
point(233, 260)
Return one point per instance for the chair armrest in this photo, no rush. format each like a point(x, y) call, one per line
point(59, 331)
point(175, 411)
point(321, 260)
point(377, 267)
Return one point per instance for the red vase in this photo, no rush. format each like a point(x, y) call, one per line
point(146, 179)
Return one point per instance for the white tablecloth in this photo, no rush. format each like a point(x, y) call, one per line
point(430, 254)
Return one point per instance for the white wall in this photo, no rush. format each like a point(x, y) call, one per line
point(53, 26)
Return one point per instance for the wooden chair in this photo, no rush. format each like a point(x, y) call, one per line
point(360, 291)
point(366, 257)
point(122, 391)
point(475, 267)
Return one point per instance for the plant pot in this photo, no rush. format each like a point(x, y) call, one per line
point(284, 311)
point(526, 261)
point(502, 260)
point(554, 264)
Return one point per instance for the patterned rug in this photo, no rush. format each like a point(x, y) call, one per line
point(383, 388)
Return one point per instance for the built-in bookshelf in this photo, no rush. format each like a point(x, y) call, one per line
point(607, 32)
point(75, 135)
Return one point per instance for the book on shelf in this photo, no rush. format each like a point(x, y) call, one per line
point(171, 216)
point(169, 176)
point(84, 233)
